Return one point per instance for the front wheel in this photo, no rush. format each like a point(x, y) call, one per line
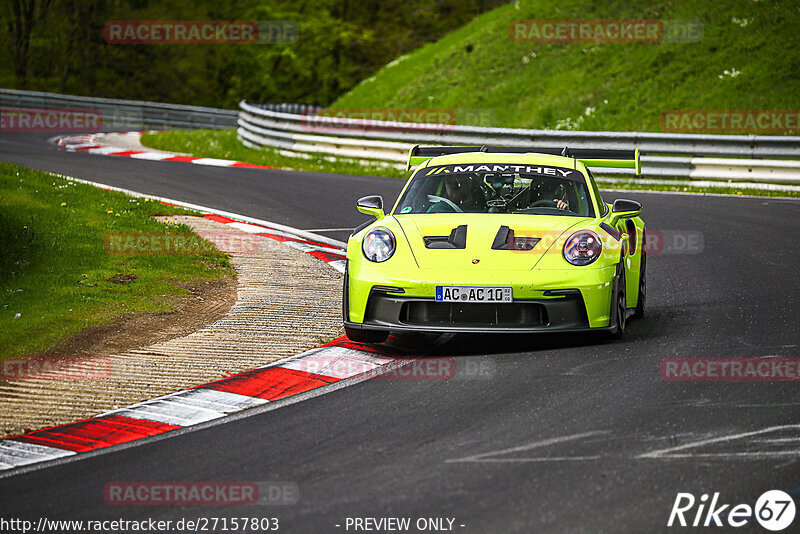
point(365, 336)
point(641, 301)
point(620, 303)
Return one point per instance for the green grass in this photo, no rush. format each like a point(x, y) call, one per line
point(54, 269)
point(491, 81)
point(224, 144)
point(683, 186)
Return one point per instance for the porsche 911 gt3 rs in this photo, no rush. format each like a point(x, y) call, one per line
point(497, 239)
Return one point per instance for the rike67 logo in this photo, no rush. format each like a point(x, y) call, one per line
point(774, 510)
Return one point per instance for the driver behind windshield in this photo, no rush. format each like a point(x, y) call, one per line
point(464, 191)
point(549, 193)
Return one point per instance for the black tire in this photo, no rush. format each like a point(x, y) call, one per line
point(642, 300)
point(345, 307)
point(365, 336)
point(619, 310)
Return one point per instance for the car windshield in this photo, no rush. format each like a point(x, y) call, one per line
point(485, 192)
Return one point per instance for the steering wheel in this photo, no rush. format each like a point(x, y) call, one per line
point(433, 199)
point(543, 203)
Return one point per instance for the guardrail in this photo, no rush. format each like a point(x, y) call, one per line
point(298, 129)
point(714, 157)
point(124, 113)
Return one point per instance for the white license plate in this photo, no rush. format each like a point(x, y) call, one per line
point(473, 294)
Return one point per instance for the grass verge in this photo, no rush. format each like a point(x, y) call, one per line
point(737, 60)
point(56, 277)
point(224, 144)
point(686, 186)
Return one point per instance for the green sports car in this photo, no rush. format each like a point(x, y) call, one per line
point(497, 239)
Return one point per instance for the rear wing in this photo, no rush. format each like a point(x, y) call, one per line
point(591, 157)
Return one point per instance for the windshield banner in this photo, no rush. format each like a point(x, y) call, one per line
point(504, 168)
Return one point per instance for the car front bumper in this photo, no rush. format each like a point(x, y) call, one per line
point(543, 301)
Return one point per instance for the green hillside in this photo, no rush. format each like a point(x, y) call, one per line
point(748, 58)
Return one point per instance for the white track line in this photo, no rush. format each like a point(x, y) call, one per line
point(670, 452)
point(189, 407)
point(702, 183)
point(16, 453)
point(483, 457)
point(294, 232)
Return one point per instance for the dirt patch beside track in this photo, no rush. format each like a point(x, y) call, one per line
point(286, 302)
point(208, 301)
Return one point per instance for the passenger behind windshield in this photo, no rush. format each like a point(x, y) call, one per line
point(463, 191)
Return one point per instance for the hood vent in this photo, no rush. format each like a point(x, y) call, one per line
point(505, 240)
point(456, 240)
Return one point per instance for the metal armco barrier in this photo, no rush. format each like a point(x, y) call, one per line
point(297, 129)
point(124, 113)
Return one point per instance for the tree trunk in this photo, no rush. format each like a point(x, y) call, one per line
point(25, 15)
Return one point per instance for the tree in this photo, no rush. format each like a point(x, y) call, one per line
point(21, 17)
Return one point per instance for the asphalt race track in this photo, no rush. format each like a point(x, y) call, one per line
point(532, 434)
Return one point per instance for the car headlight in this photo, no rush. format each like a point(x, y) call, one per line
point(582, 248)
point(378, 245)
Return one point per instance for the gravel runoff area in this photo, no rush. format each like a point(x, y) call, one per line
point(287, 302)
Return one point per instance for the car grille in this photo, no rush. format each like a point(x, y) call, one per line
point(472, 314)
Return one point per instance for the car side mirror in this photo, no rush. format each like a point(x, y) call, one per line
point(371, 205)
point(624, 209)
